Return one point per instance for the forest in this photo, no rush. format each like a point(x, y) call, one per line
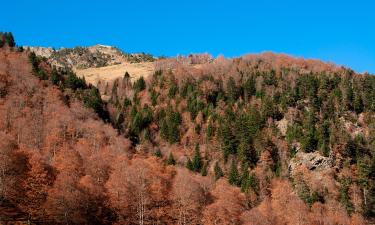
point(258, 139)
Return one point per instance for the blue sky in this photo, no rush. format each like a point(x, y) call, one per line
point(342, 32)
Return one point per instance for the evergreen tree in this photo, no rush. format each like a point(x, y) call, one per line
point(171, 160)
point(114, 95)
point(233, 174)
point(204, 170)
point(218, 171)
point(232, 90)
point(55, 77)
point(344, 194)
point(244, 177)
point(2, 39)
point(189, 165)
point(249, 87)
point(310, 140)
point(169, 126)
point(9, 39)
point(357, 103)
point(210, 131)
point(139, 85)
point(197, 160)
point(158, 153)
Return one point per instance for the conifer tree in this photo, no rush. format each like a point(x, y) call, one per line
point(9, 39)
point(189, 165)
point(171, 160)
point(197, 160)
point(233, 174)
point(2, 39)
point(218, 171)
point(158, 153)
point(204, 170)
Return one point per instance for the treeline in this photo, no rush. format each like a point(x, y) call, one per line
point(71, 84)
point(6, 38)
point(240, 110)
point(212, 145)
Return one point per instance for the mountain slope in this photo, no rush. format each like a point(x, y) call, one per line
point(263, 139)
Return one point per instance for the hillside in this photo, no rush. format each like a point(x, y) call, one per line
point(258, 139)
point(97, 63)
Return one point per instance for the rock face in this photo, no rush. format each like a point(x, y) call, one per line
point(312, 161)
point(40, 51)
point(89, 57)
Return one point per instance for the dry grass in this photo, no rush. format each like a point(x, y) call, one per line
point(110, 73)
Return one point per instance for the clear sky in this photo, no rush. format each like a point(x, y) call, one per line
point(338, 31)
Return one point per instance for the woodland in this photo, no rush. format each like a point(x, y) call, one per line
point(203, 140)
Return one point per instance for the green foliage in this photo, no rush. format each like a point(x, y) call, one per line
point(344, 194)
point(358, 103)
point(270, 77)
point(171, 160)
point(232, 91)
point(197, 160)
point(204, 170)
point(154, 97)
point(293, 132)
point(210, 130)
point(324, 134)
point(7, 38)
point(127, 102)
point(92, 99)
point(56, 77)
point(276, 164)
point(249, 87)
point(218, 171)
point(307, 195)
point(139, 85)
point(309, 140)
point(158, 154)
point(169, 126)
point(270, 109)
point(194, 105)
point(74, 82)
point(248, 180)
point(173, 89)
point(197, 128)
point(233, 176)
point(140, 119)
point(189, 165)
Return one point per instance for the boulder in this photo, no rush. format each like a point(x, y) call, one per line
point(313, 161)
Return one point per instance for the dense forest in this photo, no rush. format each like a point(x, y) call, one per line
point(259, 139)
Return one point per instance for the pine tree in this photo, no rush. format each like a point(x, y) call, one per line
point(204, 170)
point(158, 153)
point(139, 85)
point(9, 39)
point(197, 160)
point(218, 171)
point(232, 90)
point(210, 131)
point(233, 174)
point(249, 87)
point(244, 177)
point(171, 160)
point(2, 39)
point(55, 77)
point(189, 165)
point(357, 103)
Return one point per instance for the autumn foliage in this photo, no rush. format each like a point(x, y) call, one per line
point(68, 157)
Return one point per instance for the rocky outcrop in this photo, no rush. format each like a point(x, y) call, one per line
point(88, 57)
point(313, 161)
point(41, 51)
